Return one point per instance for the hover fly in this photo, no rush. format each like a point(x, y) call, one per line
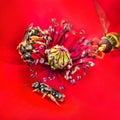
point(109, 41)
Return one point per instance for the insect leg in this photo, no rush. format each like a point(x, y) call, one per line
point(36, 90)
point(44, 95)
point(53, 99)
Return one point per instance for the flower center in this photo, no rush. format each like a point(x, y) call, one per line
point(58, 57)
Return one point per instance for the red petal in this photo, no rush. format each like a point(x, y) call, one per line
point(95, 97)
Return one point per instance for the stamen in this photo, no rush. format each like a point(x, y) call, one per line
point(62, 87)
point(73, 81)
point(79, 77)
point(82, 32)
point(32, 75)
point(42, 60)
point(44, 79)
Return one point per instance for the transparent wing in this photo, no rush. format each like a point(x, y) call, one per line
point(102, 17)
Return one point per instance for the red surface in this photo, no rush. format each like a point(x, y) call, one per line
point(95, 97)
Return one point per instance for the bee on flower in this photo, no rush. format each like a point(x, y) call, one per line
point(109, 41)
point(58, 51)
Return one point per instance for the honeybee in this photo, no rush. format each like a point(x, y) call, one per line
point(109, 41)
point(48, 91)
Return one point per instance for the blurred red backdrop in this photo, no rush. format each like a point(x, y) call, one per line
point(95, 97)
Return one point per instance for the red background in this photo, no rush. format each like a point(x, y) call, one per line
point(95, 97)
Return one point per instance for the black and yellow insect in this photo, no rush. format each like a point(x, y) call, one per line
point(109, 41)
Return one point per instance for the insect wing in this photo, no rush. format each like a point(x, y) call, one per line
point(102, 17)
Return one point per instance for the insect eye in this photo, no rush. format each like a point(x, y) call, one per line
point(36, 85)
point(30, 32)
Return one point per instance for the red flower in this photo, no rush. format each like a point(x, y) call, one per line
point(95, 97)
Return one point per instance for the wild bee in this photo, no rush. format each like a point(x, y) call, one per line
point(26, 47)
point(25, 50)
point(109, 41)
point(48, 91)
